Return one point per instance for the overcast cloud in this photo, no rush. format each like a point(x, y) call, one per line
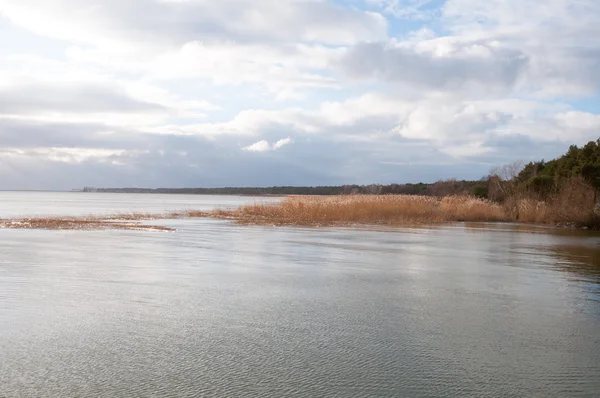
point(172, 93)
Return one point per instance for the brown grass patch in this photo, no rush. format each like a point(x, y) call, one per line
point(365, 209)
point(531, 211)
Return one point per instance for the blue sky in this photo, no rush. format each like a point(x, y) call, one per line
point(170, 93)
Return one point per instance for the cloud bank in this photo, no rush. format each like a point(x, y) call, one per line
point(289, 92)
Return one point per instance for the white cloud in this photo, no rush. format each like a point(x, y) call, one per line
point(582, 126)
point(264, 146)
point(281, 45)
point(64, 155)
point(560, 39)
point(82, 97)
point(165, 23)
point(232, 63)
point(439, 65)
point(260, 146)
point(282, 142)
point(48, 90)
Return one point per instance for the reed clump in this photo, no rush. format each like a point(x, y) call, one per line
point(572, 202)
point(573, 205)
point(366, 209)
point(469, 208)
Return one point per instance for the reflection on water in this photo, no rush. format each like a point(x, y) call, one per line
point(570, 250)
point(579, 260)
point(217, 309)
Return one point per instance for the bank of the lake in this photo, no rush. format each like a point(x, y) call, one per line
point(318, 211)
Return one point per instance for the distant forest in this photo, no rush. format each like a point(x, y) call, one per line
point(440, 188)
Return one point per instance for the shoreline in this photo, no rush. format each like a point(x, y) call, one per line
point(311, 212)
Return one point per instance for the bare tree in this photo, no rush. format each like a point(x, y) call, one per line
point(508, 172)
point(502, 181)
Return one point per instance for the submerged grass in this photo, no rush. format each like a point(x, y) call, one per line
point(65, 223)
point(95, 222)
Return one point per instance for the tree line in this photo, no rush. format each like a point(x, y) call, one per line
point(440, 188)
point(546, 178)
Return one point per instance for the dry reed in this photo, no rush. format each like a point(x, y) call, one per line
point(366, 209)
point(573, 205)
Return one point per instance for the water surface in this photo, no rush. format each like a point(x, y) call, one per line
point(217, 309)
point(21, 204)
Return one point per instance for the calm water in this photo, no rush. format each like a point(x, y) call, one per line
point(216, 309)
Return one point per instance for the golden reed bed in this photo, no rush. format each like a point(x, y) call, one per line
point(396, 210)
point(366, 209)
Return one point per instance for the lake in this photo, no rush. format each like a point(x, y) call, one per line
point(218, 309)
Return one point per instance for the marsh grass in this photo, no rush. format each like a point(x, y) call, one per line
point(366, 209)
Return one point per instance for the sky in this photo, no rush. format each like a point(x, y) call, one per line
point(205, 93)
